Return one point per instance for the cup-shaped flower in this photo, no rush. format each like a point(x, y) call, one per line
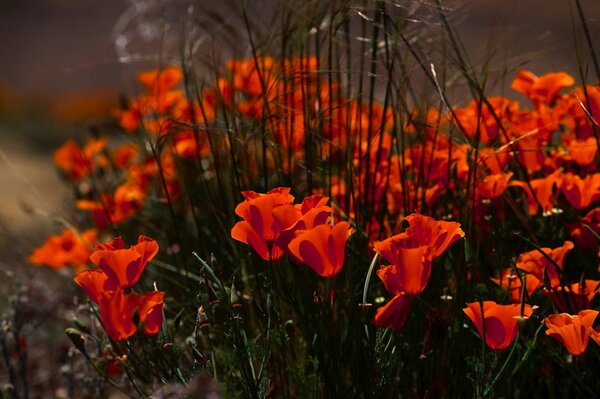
point(117, 311)
point(322, 248)
point(124, 267)
point(394, 313)
point(571, 331)
point(260, 228)
point(510, 281)
point(497, 323)
point(93, 283)
point(411, 269)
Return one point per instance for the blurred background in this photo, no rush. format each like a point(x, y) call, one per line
point(64, 64)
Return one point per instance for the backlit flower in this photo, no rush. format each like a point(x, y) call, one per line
point(124, 267)
point(497, 323)
point(571, 331)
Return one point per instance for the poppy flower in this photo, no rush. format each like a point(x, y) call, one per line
point(574, 297)
point(411, 267)
point(159, 80)
point(313, 211)
point(541, 90)
point(544, 192)
point(582, 152)
point(65, 249)
point(322, 248)
point(439, 234)
point(492, 186)
point(580, 193)
point(93, 283)
point(571, 331)
point(536, 263)
point(78, 162)
point(498, 323)
point(580, 231)
point(117, 311)
point(394, 313)
point(511, 282)
point(260, 228)
point(124, 267)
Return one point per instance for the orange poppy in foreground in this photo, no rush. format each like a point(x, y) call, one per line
point(572, 331)
point(124, 266)
point(260, 229)
point(322, 248)
point(498, 323)
point(117, 311)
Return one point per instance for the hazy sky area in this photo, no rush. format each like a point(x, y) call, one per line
point(49, 47)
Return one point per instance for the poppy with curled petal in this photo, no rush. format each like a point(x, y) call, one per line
point(498, 323)
point(160, 80)
point(393, 314)
point(322, 248)
point(260, 228)
point(411, 267)
point(536, 263)
point(439, 234)
point(572, 331)
point(117, 311)
point(124, 267)
point(92, 282)
point(541, 90)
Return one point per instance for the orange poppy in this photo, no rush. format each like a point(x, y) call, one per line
point(574, 297)
point(580, 231)
point(124, 266)
point(543, 89)
point(65, 249)
point(544, 191)
point(159, 80)
point(117, 313)
point(93, 283)
point(536, 263)
point(498, 323)
point(411, 267)
point(260, 228)
point(78, 162)
point(393, 314)
point(322, 248)
point(439, 234)
point(572, 331)
point(581, 192)
point(492, 186)
point(511, 282)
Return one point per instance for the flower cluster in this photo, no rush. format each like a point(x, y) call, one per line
point(411, 254)
point(273, 226)
point(119, 269)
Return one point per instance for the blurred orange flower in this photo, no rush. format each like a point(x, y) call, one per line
point(65, 249)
